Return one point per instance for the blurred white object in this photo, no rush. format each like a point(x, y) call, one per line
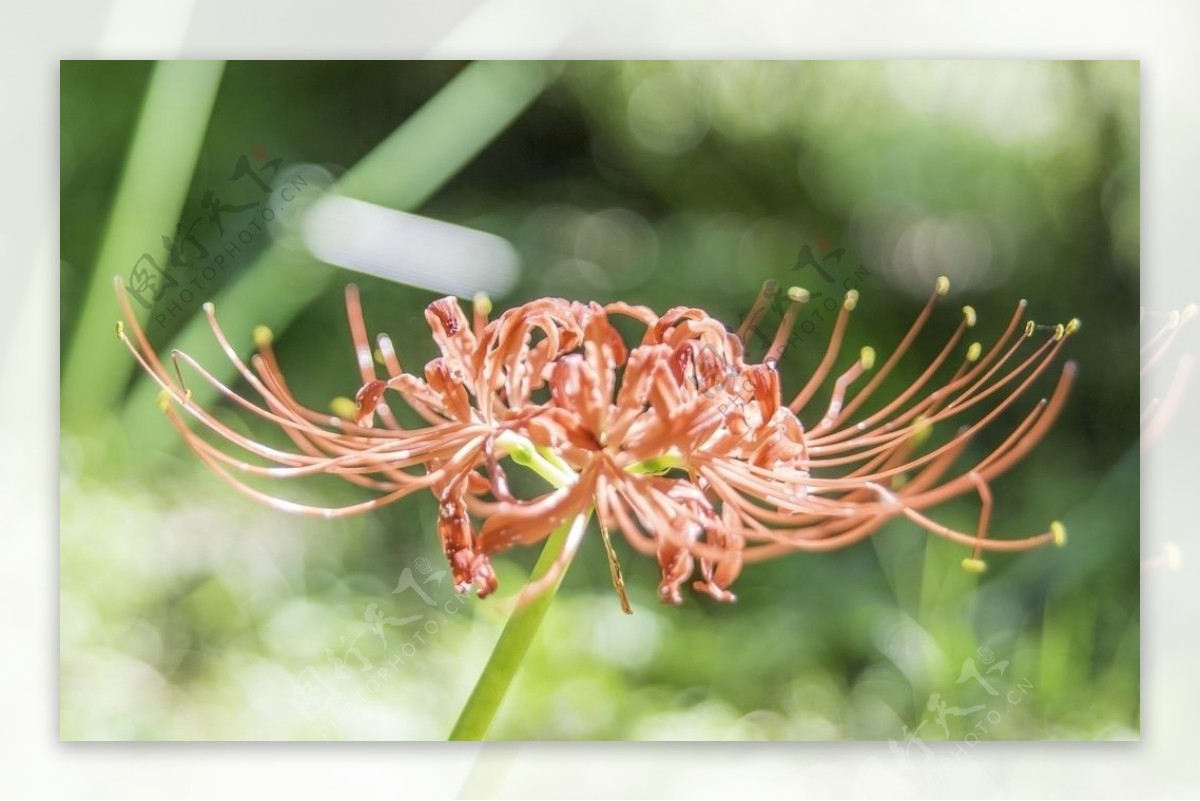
point(407, 248)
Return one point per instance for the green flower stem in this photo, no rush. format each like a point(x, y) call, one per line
point(481, 708)
point(542, 461)
point(659, 464)
point(502, 666)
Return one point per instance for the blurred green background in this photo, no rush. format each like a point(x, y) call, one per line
point(189, 612)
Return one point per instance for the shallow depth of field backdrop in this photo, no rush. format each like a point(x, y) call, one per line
point(189, 612)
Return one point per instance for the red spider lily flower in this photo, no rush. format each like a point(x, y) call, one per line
point(475, 398)
point(785, 486)
point(692, 454)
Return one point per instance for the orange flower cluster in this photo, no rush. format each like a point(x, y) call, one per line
point(681, 443)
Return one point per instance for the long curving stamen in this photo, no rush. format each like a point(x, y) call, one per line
point(831, 352)
point(798, 297)
point(756, 311)
point(941, 288)
point(974, 364)
point(865, 362)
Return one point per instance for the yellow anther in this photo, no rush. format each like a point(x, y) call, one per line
point(974, 565)
point(263, 337)
point(1029, 326)
point(209, 307)
point(120, 329)
point(851, 300)
point(867, 357)
point(943, 285)
point(164, 400)
point(974, 352)
point(1073, 325)
point(798, 294)
point(1059, 533)
point(483, 304)
point(969, 314)
point(1060, 331)
point(378, 354)
point(344, 408)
